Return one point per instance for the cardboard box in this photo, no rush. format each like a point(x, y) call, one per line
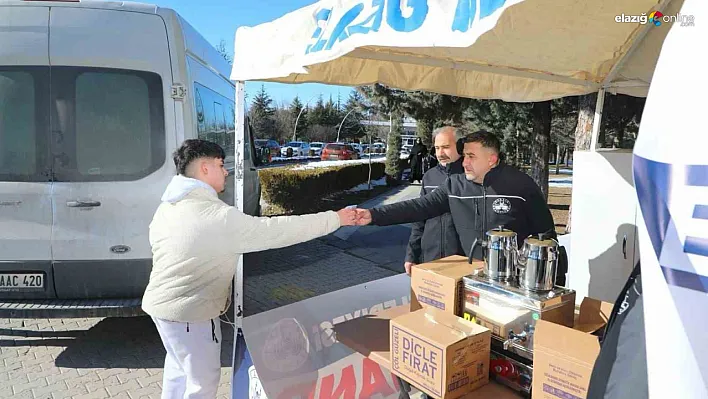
point(564, 357)
point(439, 284)
point(439, 353)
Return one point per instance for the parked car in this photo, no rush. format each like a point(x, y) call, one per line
point(295, 149)
point(339, 151)
point(358, 148)
point(271, 145)
point(86, 140)
point(316, 148)
point(378, 148)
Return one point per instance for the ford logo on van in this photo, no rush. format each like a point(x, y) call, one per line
point(120, 249)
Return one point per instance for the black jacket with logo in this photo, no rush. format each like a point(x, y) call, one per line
point(436, 237)
point(508, 198)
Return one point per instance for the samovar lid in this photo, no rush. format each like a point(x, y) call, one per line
point(541, 240)
point(501, 232)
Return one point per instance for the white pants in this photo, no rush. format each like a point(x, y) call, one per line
point(193, 361)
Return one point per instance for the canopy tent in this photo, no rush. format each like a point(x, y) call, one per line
point(514, 50)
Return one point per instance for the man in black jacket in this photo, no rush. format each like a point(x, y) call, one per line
point(436, 237)
point(489, 194)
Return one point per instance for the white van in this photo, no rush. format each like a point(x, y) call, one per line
point(94, 98)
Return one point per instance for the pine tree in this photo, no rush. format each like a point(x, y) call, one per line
point(385, 100)
point(317, 115)
point(332, 113)
point(524, 130)
point(432, 110)
point(511, 122)
point(262, 115)
point(620, 121)
point(393, 148)
point(296, 109)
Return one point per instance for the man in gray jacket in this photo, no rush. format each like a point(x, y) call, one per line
point(436, 237)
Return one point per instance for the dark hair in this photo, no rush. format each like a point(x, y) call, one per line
point(194, 149)
point(487, 139)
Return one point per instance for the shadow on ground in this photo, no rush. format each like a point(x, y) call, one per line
point(131, 343)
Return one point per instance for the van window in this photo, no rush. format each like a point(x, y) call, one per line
point(119, 121)
point(24, 95)
point(215, 118)
point(110, 124)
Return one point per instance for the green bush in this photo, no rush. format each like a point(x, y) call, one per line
point(292, 189)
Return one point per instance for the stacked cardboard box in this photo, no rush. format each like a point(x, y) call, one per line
point(440, 353)
point(436, 350)
point(438, 284)
point(432, 347)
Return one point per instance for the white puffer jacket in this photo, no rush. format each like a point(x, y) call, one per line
point(196, 243)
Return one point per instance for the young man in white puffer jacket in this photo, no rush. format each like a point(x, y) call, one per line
point(196, 242)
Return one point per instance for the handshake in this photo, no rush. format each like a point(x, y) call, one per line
point(354, 217)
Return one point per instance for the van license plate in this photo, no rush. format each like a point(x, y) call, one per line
point(9, 281)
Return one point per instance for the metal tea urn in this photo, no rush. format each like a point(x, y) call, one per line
point(537, 263)
point(500, 253)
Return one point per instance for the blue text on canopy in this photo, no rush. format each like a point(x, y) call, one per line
point(357, 21)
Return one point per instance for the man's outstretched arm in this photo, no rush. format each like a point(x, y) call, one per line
point(414, 210)
point(414, 249)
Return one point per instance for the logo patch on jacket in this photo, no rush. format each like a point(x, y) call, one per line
point(501, 205)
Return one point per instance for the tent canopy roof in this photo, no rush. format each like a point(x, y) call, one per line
point(514, 50)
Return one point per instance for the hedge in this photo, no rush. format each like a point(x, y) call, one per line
point(290, 188)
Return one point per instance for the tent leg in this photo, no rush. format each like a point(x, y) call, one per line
point(238, 191)
point(239, 141)
point(597, 121)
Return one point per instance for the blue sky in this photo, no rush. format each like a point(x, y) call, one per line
point(219, 19)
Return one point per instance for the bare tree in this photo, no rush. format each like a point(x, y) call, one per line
point(221, 48)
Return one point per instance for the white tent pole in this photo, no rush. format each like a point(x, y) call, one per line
point(597, 120)
point(239, 151)
point(238, 193)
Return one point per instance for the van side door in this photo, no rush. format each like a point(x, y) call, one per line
point(25, 167)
